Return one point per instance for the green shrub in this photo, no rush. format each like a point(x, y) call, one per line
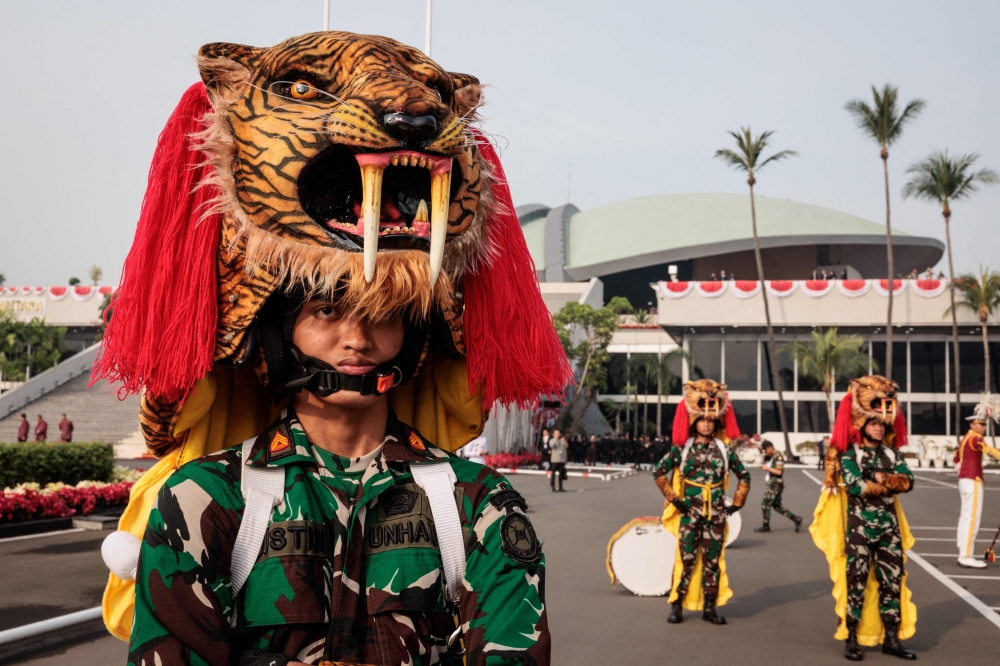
point(807, 448)
point(53, 462)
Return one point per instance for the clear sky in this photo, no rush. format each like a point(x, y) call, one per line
point(637, 96)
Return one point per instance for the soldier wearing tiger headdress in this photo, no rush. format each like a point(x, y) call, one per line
point(859, 522)
point(326, 269)
point(693, 476)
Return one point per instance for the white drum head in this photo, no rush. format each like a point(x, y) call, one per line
point(643, 559)
point(735, 524)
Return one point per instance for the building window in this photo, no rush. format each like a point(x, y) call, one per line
point(769, 415)
point(707, 360)
point(741, 366)
point(973, 367)
point(618, 375)
point(927, 367)
point(813, 416)
point(746, 414)
point(786, 370)
point(928, 418)
point(898, 362)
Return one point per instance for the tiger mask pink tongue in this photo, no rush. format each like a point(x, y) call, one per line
point(373, 166)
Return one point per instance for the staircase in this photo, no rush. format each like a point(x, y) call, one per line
point(97, 413)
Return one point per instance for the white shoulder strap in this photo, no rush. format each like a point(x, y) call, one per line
point(725, 457)
point(263, 489)
point(438, 481)
point(684, 453)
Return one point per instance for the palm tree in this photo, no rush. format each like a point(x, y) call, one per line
point(747, 158)
point(944, 179)
point(827, 357)
point(981, 295)
point(884, 125)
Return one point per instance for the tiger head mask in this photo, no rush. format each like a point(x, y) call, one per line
point(704, 398)
point(872, 397)
point(331, 163)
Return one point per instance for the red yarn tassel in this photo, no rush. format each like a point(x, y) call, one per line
point(513, 349)
point(161, 336)
point(844, 434)
point(899, 428)
point(732, 427)
point(679, 433)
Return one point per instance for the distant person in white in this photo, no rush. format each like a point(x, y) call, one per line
point(476, 450)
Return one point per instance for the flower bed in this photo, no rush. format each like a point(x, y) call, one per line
point(513, 461)
point(30, 501)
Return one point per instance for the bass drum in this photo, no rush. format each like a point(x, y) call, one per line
point(641, 557)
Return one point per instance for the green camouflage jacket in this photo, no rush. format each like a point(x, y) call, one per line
point(704, 465)
point(353, 540)
point(777, 461)
point(871, 502)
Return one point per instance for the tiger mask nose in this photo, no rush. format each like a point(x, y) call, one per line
point(412, 130)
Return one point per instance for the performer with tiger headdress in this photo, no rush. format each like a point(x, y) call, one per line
point(328, 269)
point(859, 523)
point(694, 476)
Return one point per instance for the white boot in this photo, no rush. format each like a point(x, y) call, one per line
point(971, 563)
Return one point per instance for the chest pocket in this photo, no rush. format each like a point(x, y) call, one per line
point(288, 582)
point(403, 568)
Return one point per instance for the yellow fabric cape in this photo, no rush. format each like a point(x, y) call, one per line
point(229, 405)
point(829, 530)
point(694, 600)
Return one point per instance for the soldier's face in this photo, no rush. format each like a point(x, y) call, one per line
point(347, 342)
point(874, 431)
point(705, 427)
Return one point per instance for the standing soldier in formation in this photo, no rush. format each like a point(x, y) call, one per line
point(969, 462)
point(41, 429)
point(864, 474)
point(22, 429)
point(693, 476)
point(774, 479)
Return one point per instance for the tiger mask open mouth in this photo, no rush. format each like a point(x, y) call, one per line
point(348, 143)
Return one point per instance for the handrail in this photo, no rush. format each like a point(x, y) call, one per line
point(48, 381)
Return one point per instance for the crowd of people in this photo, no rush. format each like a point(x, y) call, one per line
point(642, 451)
point(42, 429)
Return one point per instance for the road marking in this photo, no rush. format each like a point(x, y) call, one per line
point(960, 591)
point(946, 540)
point(975, 577)
point(43, 534)
point(950, 529)
point(818, 482)
point(938, 555)
point(940, 483)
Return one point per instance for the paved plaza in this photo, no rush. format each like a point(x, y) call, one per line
point(782, 612)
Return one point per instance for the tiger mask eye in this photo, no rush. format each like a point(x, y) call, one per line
point(303, 90)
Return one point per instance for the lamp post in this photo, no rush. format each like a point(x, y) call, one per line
point(427, 30)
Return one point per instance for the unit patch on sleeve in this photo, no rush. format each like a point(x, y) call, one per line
point(518, 540)
point(509, 496)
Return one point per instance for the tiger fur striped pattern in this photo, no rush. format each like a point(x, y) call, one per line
point(310, 139)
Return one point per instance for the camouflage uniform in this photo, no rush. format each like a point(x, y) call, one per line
point(873, 529)
point(773, 490)
point(350, 569)
point(703, 525)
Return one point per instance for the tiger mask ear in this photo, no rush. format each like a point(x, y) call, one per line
point(225, 68)
point(468, 95)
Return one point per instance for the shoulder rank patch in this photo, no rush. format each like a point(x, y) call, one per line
point(518, 540)
point(509, 496)
point(280, 445)
point(416, 443)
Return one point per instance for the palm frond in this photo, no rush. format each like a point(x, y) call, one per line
point(749, 149)
point(777, 156)
point(881, 121)
point(940, 177)
point(732, 159)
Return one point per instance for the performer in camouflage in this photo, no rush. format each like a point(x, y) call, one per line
point(701, 461)
point(864, 458)
point(774, 477)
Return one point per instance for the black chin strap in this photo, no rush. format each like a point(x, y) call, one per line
point(322, 379)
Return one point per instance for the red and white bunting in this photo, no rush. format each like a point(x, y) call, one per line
point(854, 288)
point(882, 287)
point(9, 291)
point(781, 288)
point(38, 291)
point(711, 289)
point(817, 288)
point(929, 288)
point(25, 291)
point(745, 288)
point(58, 293)
point(105, 290)
point(676, 289)
point(82, 293)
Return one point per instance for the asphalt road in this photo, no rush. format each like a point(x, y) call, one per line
point(782, 611)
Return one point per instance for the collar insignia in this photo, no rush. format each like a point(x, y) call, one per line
point(416, 443)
